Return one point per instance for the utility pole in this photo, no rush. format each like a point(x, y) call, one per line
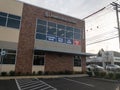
point(116, 5)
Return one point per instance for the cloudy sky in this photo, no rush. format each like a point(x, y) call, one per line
point(75, 8)
point(98, 27)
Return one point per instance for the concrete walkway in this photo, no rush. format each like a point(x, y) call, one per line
point(41, 76)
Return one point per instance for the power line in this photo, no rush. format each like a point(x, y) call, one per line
point(102, 40)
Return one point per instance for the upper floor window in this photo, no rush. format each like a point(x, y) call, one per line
point(55, 32)
point(10, 20)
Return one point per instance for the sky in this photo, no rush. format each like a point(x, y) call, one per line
point(98, 27)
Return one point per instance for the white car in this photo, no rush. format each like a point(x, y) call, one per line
point(94, 67)
point(112, 67)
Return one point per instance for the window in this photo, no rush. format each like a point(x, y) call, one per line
point(13, 23)
point(51, 31)
point(69, 29)
point(38, 60)
point(76, 30)
point(60, 33)
point(38, 57)
point(41, 29)
point(10, 56)
point(10, 20)
point(40, 36)
point(9, 59)
point(77, 61)
point(42, 22)
point(69, 34)
point(77, 36)
point(3, 21)
point(51, 24)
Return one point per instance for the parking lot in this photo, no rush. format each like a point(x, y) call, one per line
point(76, 83)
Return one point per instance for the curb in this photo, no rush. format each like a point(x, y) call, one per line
point(42, 76)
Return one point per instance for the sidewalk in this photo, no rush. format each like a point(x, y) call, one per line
point(41, 76)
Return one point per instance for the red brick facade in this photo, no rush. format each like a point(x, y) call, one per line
point(58, 62)
point(54, 61)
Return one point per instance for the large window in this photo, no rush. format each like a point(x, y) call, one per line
point(38, 57)
point(10, 20)
point(55, 32)
point(9, 58)
point(77, 61)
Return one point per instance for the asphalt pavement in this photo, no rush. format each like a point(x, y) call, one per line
point(61, 83)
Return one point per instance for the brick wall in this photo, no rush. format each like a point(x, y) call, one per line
point(58, 62)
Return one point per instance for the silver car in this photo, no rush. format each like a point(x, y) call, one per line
point(112, 67)
point(94, 67)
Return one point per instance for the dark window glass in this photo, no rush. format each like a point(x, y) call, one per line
point(38, 60)
point(9, 59)
point(51, 31)
point(38, 52)
point(69, 34)
point(41, 29)
point(77, 36)
point(40, 36)
point(2, 21)
point(41, 22)
point(60, 33)
point(76, 30)
point(9, 51)
point(51, 24)
point(13, 23)
point(3, 14)
point(77, 61)
point(14, 17)
point(69, 29)
point(60, 26)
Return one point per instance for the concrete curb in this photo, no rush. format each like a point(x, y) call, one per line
point(42, 76)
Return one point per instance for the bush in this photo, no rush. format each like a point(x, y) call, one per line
point(39, 72)
point(102, 74)
point(12, 73)
point(34, 73)
point(110, 76)
point(3, 73)
point(89, 74)
point(117, 76)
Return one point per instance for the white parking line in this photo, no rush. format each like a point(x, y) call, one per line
point(90, 85)
point(33, 84)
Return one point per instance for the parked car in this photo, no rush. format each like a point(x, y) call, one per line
point(113, 67)
point(94, 67)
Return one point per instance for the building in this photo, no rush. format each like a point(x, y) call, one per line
point(106, 57)
point(37, 39)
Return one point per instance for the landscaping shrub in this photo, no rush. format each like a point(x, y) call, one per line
point(102, 74)
point(12, 73)
point(117, 76)
point(110, 75)
point(89, 74)
point(3, 73)
point(39, 72)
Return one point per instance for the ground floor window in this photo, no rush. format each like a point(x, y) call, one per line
point(9, 58)
point(39, 57)
point(77, 61)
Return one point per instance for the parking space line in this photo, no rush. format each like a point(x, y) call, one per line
point(33, 84)
point(90, 85)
